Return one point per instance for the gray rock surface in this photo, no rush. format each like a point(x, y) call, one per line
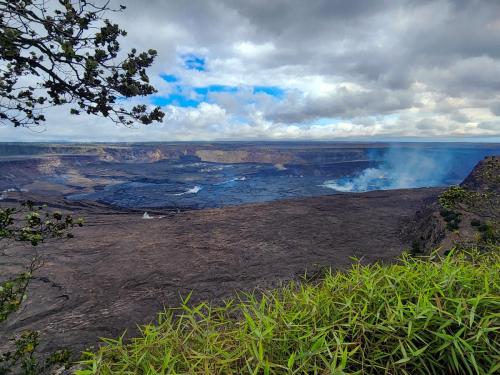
point(120, 270)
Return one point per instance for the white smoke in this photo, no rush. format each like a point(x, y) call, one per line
point(400, 169)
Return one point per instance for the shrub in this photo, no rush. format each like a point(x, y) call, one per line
point(452, 219)
point(416, 248)
point(452, 196)
point(453, 225)
point(489, 233)
point(12, 294)
point(24, 359)
point(475, 222)
point(413, 317)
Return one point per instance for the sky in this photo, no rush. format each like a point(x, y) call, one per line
point(307, 70)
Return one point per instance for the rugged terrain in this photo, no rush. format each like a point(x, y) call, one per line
point(121, 269)
point(465, 216)
point(69, 169)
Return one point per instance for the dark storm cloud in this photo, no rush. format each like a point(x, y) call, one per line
point(490, 125)
point(343, 104)
point(434, 64)
point(391, 43)
point(495, 108)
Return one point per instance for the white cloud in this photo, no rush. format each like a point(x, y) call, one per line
point(247, 49)
point(353, 69)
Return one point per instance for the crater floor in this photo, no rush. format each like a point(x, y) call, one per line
point(120, 269)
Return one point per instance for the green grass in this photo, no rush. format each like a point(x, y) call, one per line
point(418, 316)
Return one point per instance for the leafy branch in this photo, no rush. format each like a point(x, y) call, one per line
point(68, 53)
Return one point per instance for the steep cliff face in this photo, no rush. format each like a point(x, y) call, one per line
point(217, 152)
point(334, 156)
point(245, 156)
point(29, 172)
point(465, 216)
point(49, 165)
point(283, 157)
point(485, 177)
point(152, 153)
point(110, 153)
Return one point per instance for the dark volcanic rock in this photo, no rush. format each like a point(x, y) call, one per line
point(427, 229)
point(120, 270)
point(485, 176)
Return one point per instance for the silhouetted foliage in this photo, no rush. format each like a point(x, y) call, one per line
point(65, 52)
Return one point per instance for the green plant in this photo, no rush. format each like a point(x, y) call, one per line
point(457, 197)
point(489, 232)
point(71, 53)
point(417, 316)
point(453, 196)
point(34, 225)
point(452, 219)
point(24, 359)
point(490, 170)
point(13, 292)
point(23, 355)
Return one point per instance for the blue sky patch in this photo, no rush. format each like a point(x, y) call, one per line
point(205, 90)
point(275, 91)
point(326, 121)
point(193, 62)
point(170, 78)
point(178, 100)
point(189, 96)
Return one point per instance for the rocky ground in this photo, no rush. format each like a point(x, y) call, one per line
point(121, 269)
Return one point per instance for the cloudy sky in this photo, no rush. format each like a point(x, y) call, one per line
point(316, 69)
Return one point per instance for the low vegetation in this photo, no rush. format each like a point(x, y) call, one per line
point(457, 195)
point(472, 210)
point(452, 219)
point(418, 316)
